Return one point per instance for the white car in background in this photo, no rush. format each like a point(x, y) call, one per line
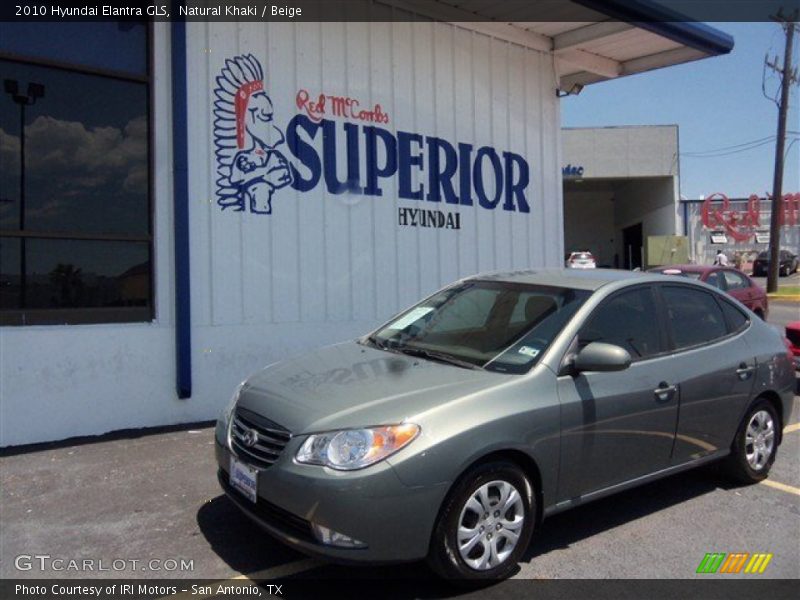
point(581, 260)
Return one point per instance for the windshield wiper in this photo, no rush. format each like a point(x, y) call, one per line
point(372, 339)
point(438, 356)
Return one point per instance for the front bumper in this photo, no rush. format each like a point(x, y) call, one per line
point(371, 505)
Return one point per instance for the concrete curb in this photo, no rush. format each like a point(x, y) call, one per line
point(784, 297)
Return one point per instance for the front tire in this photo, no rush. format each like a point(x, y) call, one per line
point(485, 524)
point(755, 445)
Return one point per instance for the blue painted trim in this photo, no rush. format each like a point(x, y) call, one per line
point(180, 191)
point(666, 22)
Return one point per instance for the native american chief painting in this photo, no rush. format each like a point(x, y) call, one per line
point(249, 168)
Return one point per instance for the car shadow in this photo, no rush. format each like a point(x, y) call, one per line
point(560, 531)
point(237, 541)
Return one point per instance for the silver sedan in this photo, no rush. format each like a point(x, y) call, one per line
point(451, 431)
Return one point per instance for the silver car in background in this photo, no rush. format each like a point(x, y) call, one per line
point(453, 430)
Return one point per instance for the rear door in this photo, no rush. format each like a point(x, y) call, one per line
point(713, 364)
point(621, 425)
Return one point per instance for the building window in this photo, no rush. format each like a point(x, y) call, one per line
point(75, 201)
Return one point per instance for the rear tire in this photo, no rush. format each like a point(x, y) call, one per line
point(755, 445)
point(485, 525)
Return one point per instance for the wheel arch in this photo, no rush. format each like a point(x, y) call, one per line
point(521, 459)
point(775, 400)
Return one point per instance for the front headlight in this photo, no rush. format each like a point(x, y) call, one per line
point(355, 448)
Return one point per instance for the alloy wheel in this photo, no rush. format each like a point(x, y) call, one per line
point(490, 525)
point(759, 439)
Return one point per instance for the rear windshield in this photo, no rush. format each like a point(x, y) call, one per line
point(497, 326)
point(582, 256)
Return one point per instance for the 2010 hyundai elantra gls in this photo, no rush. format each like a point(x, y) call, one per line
point(453, 430)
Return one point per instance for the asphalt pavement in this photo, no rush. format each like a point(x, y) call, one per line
point(146, 497)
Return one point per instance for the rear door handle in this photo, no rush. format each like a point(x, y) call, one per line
point(664, 391)
point(744, 371)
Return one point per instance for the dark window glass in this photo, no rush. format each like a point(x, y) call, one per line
point(694, 316)
point(106, 45)
point(628, 320)
point(85, 153)
point(736, 319)
point(75, 232)
point(76, 273)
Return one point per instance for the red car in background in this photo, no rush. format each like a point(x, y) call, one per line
point(793, 337)
point(727, 279)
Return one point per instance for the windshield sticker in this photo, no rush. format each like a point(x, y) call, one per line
point(528, 351)
point(412, 317)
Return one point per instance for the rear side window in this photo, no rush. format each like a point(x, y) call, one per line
point(715, 278)
point(694, 316)
point(628, 320)
point(736, 319)
point(735, 281)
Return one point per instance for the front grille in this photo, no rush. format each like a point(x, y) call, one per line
point(793, 335)
point(271, 514)
point(266, 438)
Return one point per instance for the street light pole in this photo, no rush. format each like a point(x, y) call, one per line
point(23, 260)
point(35, 91)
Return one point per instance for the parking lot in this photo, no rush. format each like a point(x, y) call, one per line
point(154, 497)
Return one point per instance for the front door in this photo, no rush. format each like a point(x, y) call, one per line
point(621, 425)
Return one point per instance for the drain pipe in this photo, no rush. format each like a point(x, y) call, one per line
point(180, 193)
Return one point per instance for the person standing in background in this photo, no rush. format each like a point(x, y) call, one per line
point(721, 259)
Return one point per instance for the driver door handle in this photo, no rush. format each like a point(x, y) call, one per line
point(744, 371)
point(664, 391)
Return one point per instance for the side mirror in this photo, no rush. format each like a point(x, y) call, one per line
point(599, 356)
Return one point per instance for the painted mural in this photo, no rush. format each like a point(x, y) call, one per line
point(337, 142)
point(250, 168)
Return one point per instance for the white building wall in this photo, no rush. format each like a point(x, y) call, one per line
point(61, 381)
point(321, 267)
point(623, 152)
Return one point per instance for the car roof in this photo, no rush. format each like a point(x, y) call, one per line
point(689, 268)
point(589, 279)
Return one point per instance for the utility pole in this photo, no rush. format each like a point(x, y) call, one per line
point(788, 76)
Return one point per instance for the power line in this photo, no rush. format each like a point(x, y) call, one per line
point(736, 149)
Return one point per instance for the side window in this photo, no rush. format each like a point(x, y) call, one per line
point(714, 278)
point(735, 281)
point(736, 319)
point(694, 316)
point(628, 320)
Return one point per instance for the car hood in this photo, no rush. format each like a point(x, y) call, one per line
point(353, 385)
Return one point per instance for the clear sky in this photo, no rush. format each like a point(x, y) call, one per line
point(717, 103)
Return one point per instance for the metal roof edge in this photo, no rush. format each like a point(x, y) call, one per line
point(666, 22)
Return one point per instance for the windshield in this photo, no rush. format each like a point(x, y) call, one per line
point(493, 325)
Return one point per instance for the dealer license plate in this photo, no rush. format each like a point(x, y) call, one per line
point(244, 478)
